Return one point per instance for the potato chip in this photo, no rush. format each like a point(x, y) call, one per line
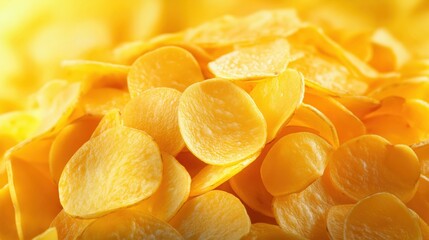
point(220, 123)
point(213, 215)
point(68, 227)
point(422, 151)
point(171, 194)
point(172, 67)
point(424, 227)
point(155, 112)
point(192, 164)
point(49, 234)
point(264, 231)
point(211, 176)
point(34, 150)
point(369, 164)
point(118, 168)
point(263, 60)
point(129, 224)
point(18, 126)
point(335, 221)
point(304, 213)
point(360, 106)
point(110, 120)
point(294, 162)
point(420, 201)
point(68, 141)
point(7, 221)
point(277, 98)
point(34, 197)
point(381, 216)
point(100, 101)
point(407, 88)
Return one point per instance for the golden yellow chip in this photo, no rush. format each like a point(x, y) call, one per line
point(264, 231)
point(68, 227)
point(381, 216)
point(155, 112)
point(213, 215)
point(171, 194)
point(420, 201)
point(408, 88)
point(220, 123)
point(34, 197)
point(335, 221)
point(118, 168)
point(100, 101)
point(192, 164)
point(422, 151)
point(304, 213)
point(129, 224)
point(294, 162)
point(110, 120)
point(49, 234)
point(369, 164)
point(68, 141)
point(7, 220)
point(172, 67)
point(360, 106)
point(263, 60)
point(277, 98)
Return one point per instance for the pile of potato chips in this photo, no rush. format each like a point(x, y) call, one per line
point(259, 127)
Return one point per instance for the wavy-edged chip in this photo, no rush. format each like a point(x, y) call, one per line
point(268, 59)
point(213, 215)
point(49, 234)
point(294, 162)
point(265, 231)
point(171, 194)
point(155, 111)
point(68, 227)
point(7, 220)
point(335, 220)
point(220, 123)
point(110, 120)
point(369, 164)
point(277, 98)
point(381, 216)
point(170, 66)
point(129, 224)
point(118, 168)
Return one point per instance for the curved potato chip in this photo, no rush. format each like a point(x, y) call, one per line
point(335, 221)
point(381, 216)
point(420, 201)
point(211, 176)
point(68, 227)
point(155, 112)
point(7, 221)
point(129, 224)
point(171, 194)
point(278, 98)
point(213, 215)
point(360, 106)
point(18, 125)
point(263, 60)
point(369, 164)
point(192, 164)
point(220, 123)
point(68, 141)
point(164, 67)
point(264, 231)
point(34, 197)
point(120, 167)
point(49, 234)
point(294, 162)
point(110, 120)
point(422, 151)
point(100, 101)
point(304, 213)
point(410, 88)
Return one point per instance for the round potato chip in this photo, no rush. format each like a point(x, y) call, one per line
point(335, 221)
point(277, 98)
point(129, 224)
point(213, 215)
point(220, 123)
point(171, 66)
point(120, 167)
point(68, 227)
point(294, 162)
point(381, 216)
point(171, 194)
point(264, 231)
point(369, 164)
point(155, 112)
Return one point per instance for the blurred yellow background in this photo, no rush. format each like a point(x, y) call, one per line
point(35, 35)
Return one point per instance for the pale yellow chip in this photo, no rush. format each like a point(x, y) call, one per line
point(213, 215)
point(335, 220)
point(262, 60)
point(172, 67)
point(68, 227)
point(155, 111)
point(277, 98)
point(171, 194)
point(220, 123)
point(7, 222)
point(49, 234)
point(294, 162)
point(381, 216)
point(34, 197)
point(369, 164)
point(118, 168)
point(265, 231)
point(420, 201)
point(68, 141)
point(304, 213)
point(110, 120)
point(129, 224)
point(100, 101)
